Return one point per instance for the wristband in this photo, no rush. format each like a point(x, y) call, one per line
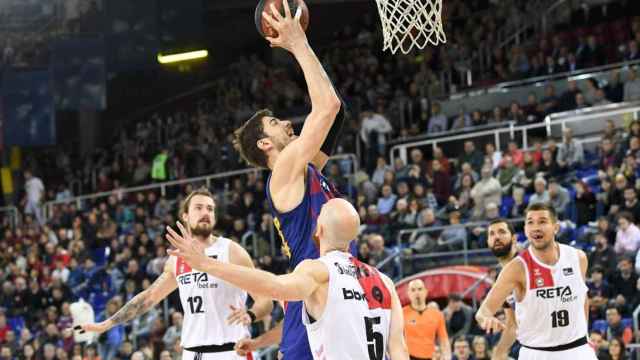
point(252, 316)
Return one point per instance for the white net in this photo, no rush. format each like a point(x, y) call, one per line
point(409, 23)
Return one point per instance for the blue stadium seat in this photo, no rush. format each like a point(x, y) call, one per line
point(16, 323)
point(599, 325)
point(506, 206)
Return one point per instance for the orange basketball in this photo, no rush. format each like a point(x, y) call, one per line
point(265, 5)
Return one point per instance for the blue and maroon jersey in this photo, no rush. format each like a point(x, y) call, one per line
point(296, 229)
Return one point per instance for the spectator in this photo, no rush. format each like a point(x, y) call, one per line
point(495, 156)
point(570, 152)
point(381, 168)
point(595, 338)
point(481, 348)
point(581, 102)
point(628, 235)
point(603, 255)
point(631, 203)
point(438, 154)
point(373, 132)
point(541, 195)
point(461, 350)
point(567, 100)
point(617, 349)
point(458, 316)
point(507, 174)
point(387, 200)
point(497, 117)
point(159, 166)
point(585, 204)
point(377, 252)
point(454, 234)
point(174, 331)
point(623, 282)
point(550, 101)
point(559, 198)
point(615, 88)
point(441, 183)
point(532, 112)
point(632, 86)
point(462, 121)
point(548, 166)
point(422, 324)
point(35, 194)
point(607, 154)
point(601, 98)
point(485, 191)
point(517, 155)
point(598, 286)
point(471, 156)
point(516, 114)
point(615, 328)
point(417, 159)
point(437, 121)
point(109, 346)
point(632, 52)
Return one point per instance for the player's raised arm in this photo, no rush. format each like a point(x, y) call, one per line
point(325, 103)
point(298, 285)
point(508, 281)
point(141, 303)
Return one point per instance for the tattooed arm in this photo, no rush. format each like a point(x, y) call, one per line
point(141, 303)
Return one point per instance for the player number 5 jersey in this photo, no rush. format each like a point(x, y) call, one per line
point(552, 311)
point(205, 301)
point(356, 318)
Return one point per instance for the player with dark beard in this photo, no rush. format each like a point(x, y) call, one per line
point(502, 240)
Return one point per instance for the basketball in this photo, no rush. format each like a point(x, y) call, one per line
point(265, 5)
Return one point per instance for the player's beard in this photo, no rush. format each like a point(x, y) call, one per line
point(202, 229)
point(502, 251)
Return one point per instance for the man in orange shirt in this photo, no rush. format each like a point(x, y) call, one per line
point(422, 324)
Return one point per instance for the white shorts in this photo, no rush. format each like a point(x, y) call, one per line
point(227, 355)
point(584, 352)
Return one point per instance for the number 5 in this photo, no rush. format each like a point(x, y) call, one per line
point(374, 338)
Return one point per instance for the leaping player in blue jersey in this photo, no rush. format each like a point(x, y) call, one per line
point(296, 189)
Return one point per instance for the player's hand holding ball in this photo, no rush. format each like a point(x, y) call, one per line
point(286, 31)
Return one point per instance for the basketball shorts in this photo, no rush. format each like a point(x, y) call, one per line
point(226, 355)
point(583, 352)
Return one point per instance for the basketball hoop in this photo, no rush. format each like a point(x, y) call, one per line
point(409, 23)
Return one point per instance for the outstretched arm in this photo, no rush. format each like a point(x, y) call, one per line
point(508, 280)
point(325, 103)
point(141, 303)
point(298, 285)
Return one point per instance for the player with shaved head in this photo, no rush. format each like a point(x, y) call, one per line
point(350, 310)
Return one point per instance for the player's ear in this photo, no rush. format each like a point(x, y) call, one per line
point(264, 144)
point(319, 231)
point(556, 228)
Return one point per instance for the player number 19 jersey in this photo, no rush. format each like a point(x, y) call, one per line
point(552, 310)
